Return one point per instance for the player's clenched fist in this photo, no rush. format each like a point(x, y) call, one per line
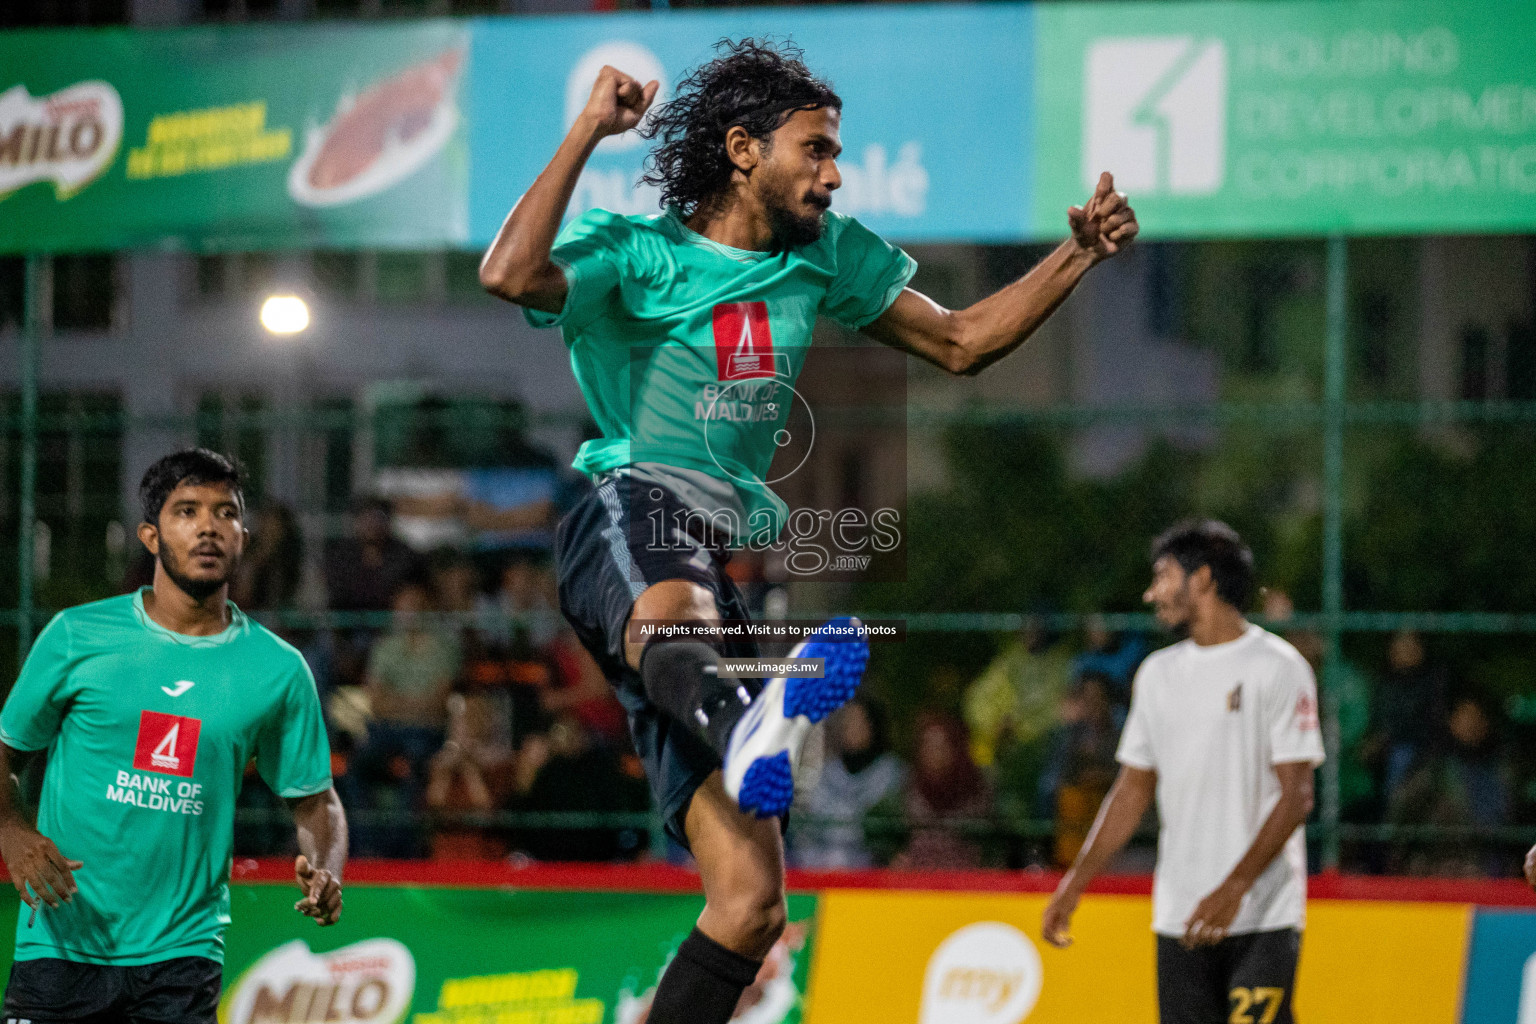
point(1106, 224)
point(618, 102)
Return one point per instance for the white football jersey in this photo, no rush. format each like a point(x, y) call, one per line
point(1212, 722)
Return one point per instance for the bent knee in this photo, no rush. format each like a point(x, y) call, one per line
point(755, 923)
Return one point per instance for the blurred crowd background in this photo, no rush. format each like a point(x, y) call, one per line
point(406, 467)
point(468, 723)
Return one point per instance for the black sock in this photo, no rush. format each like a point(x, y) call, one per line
point(679, 677)
point(702, 984)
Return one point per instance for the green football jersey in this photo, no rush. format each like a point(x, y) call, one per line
point(148, 734)
point(687, 351)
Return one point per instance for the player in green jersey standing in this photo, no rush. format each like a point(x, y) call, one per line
point(661, 314)
point(150, 705)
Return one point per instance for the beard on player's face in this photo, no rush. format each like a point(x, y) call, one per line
point(1174, 610)
point(796, 212)
point(197, 582)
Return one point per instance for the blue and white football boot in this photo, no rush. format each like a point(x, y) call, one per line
point(764, 751)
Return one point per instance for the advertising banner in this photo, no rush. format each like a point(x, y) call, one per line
point(1501, 972)
point(258, 137)
point(479, 956)
point(483, 952)
point(1225, 119)
point(936, 108)
point(970, 958)
point(965, 123)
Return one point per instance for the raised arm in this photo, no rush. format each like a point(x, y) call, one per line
point(322, 833)
point(517, 266)
point(967, 341)
point(1118, 818)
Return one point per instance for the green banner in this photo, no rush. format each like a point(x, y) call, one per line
point(262, 137)
point(1291, 118)
point(479, 956)
point(1220, 119)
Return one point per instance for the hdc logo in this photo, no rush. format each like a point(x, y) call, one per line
point(744, 342)
point(167, 744)
point(1155, 113)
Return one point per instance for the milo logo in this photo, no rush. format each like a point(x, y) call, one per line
point(67, 138)
point(368, 982)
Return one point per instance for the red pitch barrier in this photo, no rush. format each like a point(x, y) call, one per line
point(657, 877)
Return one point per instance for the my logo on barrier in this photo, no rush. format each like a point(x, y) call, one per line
point(985, 973)
point(167, 744)
point(1155, 112)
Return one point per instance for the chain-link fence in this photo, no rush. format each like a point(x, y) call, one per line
point(1387, 515)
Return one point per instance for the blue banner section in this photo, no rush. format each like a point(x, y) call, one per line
point(936, 116)
point(1501, 969)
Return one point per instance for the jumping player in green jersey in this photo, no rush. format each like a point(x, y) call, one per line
point(661, 313)
point(149, 706)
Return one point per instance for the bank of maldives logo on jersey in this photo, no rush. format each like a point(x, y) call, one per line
point(167, 744)
point(1155, 113)
point(744, 342)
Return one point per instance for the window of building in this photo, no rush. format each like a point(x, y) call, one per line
point(85, 292)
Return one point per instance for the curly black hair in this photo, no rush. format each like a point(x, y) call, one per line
point(756, 83)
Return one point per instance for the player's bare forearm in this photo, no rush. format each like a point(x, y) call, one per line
point(1289, 813)
point(517, 266)
point(969, 340)
point(40, 873)
point(322, 831)
point(1004, 320)
point(1216, 912)
point(1117, 821)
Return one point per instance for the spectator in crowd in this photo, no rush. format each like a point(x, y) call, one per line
point(564, 771)
point(1351, 694)
point(456, 592)
point(1114, 657)
point(528, 652)
point(860, 774)
point(410, 673)
point(455, 584)
point(579, 688)
point(269, 573)
point(524, 609)
point(1410, 709)
point(364, 572)
point(944, 791)
point(472, 773)
point(1015, 700)
point(1080, 765)
point(1460, 785)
